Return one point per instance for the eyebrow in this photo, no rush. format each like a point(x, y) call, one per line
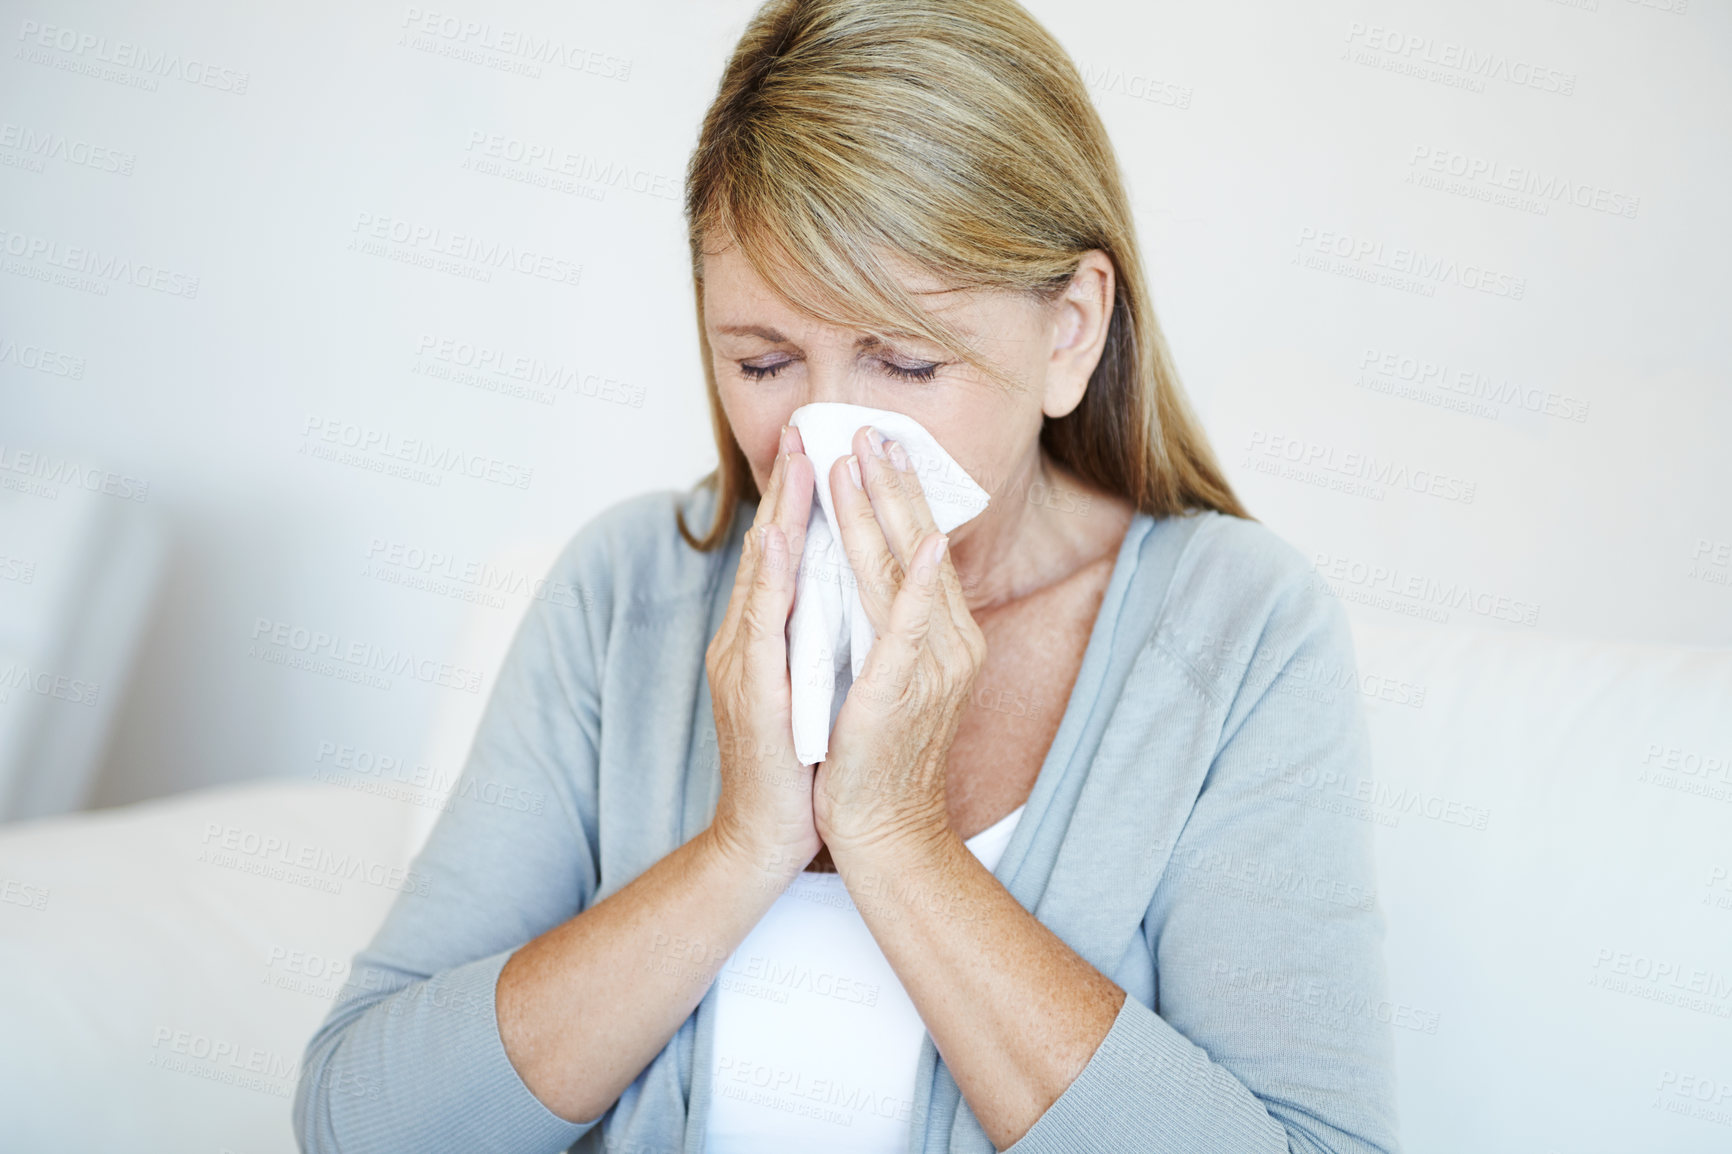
point(751, 331)
point(772, 335)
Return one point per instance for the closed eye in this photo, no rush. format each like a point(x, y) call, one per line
point(921, 372)
point(759, 372)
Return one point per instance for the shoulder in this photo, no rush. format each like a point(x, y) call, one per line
point(1246, 554)
point(629, 560)
point(1245, 603)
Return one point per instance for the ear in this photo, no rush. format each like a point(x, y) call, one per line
point(1079, 320)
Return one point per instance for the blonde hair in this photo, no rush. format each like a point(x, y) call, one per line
point(958, 136)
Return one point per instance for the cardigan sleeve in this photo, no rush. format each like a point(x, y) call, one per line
point(410, 1057)
point(1269, 1030)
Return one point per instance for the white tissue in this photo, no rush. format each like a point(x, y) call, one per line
point(829, 633)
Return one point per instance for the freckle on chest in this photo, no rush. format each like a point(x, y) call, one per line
point(1035, 648)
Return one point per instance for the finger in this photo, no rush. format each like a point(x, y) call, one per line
point(894, 489)
point(911, 614)
point(876, 571)
point(793, 506)
point(900, 505)
point(751, 549)
point(764, 618)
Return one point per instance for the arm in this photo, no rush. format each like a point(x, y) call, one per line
point(454, 1033)
point(1268, 1036)
point(584, 1007)
point(1012, 1009)
point(411, 1055)
point(1269, 1030)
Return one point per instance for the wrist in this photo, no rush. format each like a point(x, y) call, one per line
point(866, 825)
point(895, 848)
point(768, 867)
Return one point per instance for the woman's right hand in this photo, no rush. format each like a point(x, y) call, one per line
point(764, 812)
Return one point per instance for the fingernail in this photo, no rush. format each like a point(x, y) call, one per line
point(898, 455)
point(943, 544)
point(876, 440)
point(782, 440)
point(854, 472)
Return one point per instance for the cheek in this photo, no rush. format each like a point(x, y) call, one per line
point(987, 464)
point(758, 429)
point(987, 444)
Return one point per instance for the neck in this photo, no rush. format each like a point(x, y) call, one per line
point(1032, 534)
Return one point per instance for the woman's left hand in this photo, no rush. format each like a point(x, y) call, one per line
point(883, 780)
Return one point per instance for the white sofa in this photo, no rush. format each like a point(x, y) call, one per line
point(1554, 828)
point(78, 578)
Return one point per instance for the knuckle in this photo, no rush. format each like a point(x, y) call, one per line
point(885, 575)
point(863, 516)
point(976, 660)
point(755, 623)
point(750, 620)
point(868, 573)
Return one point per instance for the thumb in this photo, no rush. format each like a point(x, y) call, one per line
point(765, 614)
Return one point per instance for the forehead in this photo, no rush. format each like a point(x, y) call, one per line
point(734, 294)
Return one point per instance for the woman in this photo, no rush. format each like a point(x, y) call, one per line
point(1121, 914)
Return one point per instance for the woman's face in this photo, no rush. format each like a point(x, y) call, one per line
point(770, 359)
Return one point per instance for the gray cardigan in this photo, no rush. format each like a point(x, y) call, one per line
point(1185, 835)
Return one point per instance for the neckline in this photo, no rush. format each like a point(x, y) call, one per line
point(997, 825)
point(1084, 694)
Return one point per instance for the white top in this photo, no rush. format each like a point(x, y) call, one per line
point(816, 1041)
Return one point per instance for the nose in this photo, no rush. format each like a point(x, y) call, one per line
point(835, 375)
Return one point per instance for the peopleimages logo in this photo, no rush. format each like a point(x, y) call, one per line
point(18, 676)
point(43, 253)
point(1348, 576)
point(39, 146)
point(1417, 53)
point(1375, 471)
point(302, 863)
point(490, 367)
point(363, 656)
point(46, 472)
point(1470, 384)
point(90, 49)
point(1661, 979)
point(425, 244)
point(1366, 257)
point(41, 360)
point(324, 436)
point(1544, 187)
point(584, 167)
point(516, 44)
point(400, 563)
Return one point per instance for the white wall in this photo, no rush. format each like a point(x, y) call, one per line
point(1557, 463)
